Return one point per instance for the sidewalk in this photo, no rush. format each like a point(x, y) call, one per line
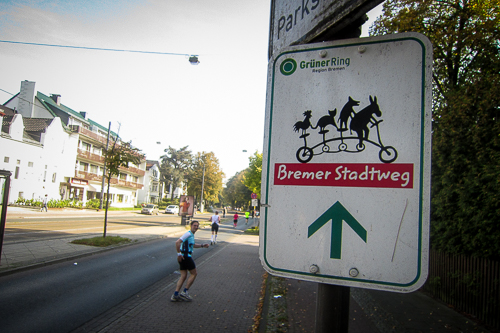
point(227, 296)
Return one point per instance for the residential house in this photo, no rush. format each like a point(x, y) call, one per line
point(57, 151)
point(151, 191)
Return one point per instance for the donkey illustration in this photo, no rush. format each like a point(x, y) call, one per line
point(360, 121)
point(304, 124)
point(327, 120)
point(347, 111)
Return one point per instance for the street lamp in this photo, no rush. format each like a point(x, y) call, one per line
point(202, 185)
point(194, 60)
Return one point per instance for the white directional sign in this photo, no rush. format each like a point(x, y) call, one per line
point(346, 162)
point(300, 21)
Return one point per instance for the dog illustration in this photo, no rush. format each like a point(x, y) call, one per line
point(346, 112)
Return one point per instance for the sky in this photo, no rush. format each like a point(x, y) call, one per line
point(153, 100)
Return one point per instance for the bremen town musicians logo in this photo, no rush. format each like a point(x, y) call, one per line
point(353, 132)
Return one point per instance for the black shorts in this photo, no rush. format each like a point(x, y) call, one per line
point(215, 227)
point(187, 264)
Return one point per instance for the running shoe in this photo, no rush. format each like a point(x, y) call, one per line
point(185, 296)
point(175, 298)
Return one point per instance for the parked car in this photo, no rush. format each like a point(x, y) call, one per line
point(172, 209)
point(150, 209)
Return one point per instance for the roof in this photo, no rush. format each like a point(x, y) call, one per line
point(50, 105)
point(151, 163)
point(7, 111)
point(93, 123)
point(7, 120)
point(36, 124)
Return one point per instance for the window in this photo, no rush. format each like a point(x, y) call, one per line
point(44, 175)
point(86, 146)
point(93, 168)
point(54, 176)
point(96, 150)
point(6, 159)
point(136, 179)
point(120, 197)
point(21, 195)
point(84, 166)
point(18, 162)
point(30, 164)
point(123, 176)
point(16, 174)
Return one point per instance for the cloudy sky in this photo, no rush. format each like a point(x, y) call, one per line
point(217, 106)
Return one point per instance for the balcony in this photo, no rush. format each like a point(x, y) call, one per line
point(86, 155)
point(134, 171)
point(114, 181)
point(88, 133)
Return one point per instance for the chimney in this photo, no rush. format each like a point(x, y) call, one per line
point(26, 99)
point(56, 98)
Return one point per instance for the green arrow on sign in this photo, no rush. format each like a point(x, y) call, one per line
point(337, 213)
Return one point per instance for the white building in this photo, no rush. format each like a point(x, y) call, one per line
point(151, 191)
point(54, 150)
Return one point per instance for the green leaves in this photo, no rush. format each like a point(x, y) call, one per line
point(252, 175)
point(466, 144)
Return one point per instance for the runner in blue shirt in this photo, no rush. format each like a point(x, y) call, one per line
point(184, 247)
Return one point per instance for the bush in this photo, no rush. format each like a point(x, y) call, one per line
point(93, 203)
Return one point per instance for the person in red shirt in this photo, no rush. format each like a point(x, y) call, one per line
point(235, 219)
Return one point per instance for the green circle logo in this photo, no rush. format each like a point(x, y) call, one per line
point(288, 67)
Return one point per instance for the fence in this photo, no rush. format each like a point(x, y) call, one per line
point(469, 284)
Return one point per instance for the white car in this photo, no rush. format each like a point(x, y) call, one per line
point(172, 209)
point(150, 209)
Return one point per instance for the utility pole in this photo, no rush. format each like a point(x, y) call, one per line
point(104, 169)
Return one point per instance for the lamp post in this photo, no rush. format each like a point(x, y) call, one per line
point(202, 185)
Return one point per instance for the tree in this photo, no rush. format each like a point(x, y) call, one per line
point(252, 176)
point(236, 193)
point(212, 184)
point(118, 156)
point(174, 166)
point(466, 129)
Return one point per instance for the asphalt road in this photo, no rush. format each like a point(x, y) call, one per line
point(39, 228)
point(62, 297)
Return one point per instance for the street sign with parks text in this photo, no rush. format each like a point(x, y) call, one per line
point(345, 195)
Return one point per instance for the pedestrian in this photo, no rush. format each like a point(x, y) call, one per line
point(224, 212)
point(215, 226)
point(44, 203)
point(247, 216)
point(184, 247)
point(235, 219)
point(253, 214)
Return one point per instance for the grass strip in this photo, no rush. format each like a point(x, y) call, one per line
point(102, 241)
point(252, 231)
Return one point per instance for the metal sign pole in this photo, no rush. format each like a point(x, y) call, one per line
point(332, 309)
point(5, 202)
point(332, 304)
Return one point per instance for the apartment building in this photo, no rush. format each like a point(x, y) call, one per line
point(52, 149)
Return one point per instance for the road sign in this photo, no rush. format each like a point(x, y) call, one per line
point(255, 202)
point(346, 163)
point(253, 196)
point(300, 21)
